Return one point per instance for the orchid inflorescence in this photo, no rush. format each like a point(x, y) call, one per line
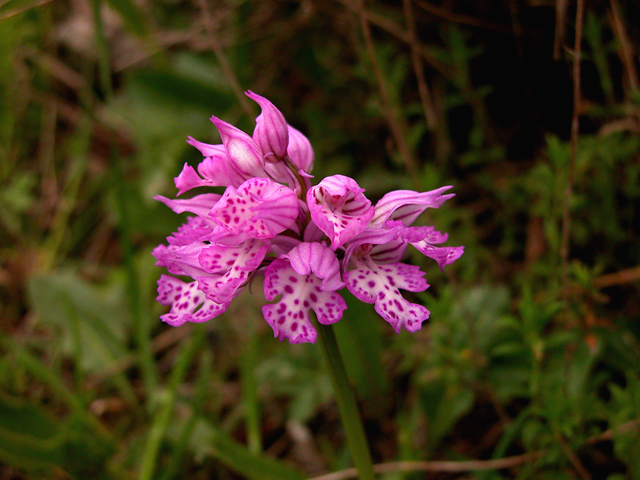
point(309, 242)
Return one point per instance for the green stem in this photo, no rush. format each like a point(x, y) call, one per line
point(250, 390)
point(346, 403)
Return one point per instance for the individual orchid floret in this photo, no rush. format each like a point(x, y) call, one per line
point(372, 280)
point(188, 304)
point(307, 278)
point(339, 208)
point(271, 132)
point(259, 208)
point(407, 205)
point(300, 151)
point(221, 270)
point(245, 156)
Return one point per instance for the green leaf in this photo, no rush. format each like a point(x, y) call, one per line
point(208, 441)
point(62, 299)
point(29, 437)
point(33, 440)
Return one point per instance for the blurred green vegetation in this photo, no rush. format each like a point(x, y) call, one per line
point(96, 101)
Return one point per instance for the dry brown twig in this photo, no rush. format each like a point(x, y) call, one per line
point(461, 18)
point(18, 11)
point(393, 118)
point(626, 47)
point(575, 124)
point(222, 59)
point(561, 14)
point(423, 88)
point(397, 31)
point(473, 465)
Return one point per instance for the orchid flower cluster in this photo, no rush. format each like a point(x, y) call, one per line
point(309, 242)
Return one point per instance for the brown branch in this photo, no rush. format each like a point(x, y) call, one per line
point(222, 59)
point(423, 88)
point(399, 32)
point(625, 45)
point(461, 18)
point(393, 119)
point(566, 218)
point(473, 465)
point(18, 11)
point(573, 458)
point(438, 466)
point(623, 276)
point(561, 14)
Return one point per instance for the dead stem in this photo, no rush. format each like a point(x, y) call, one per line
point(423, 88)
point(561, 15)
point(626, 48)
point(473, 465)
point(18, 11)
point(224, 62)
point(566, 217)
point(393, 119)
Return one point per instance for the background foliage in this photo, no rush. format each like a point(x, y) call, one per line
point(96, 100)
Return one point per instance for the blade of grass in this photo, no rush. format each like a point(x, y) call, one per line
point(167, 402)
point(236, 456)
point(250, 391)
point(180, 448)
point(48, 376)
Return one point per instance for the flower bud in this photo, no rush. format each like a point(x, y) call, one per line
point(299, 150)
point(271, 132)
point(242, 151)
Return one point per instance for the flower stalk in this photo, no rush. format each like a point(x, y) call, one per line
point(346, 400)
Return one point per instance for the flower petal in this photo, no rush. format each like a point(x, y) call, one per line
point(245, 156)
point(259, 208)
point(300, 151)
point(231, 267)
point(200, 204)
point(380, 284)
point(188, 179)
point(443, 255)
point(339, 208)
point(306, 278)
point(407, 205)
point(271, 133)
point(188, 304)
point(196, 229)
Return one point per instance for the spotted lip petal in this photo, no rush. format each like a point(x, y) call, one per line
point(300, 151)
point(339, 208)
point(220, 270)
point(231, 267)
point(259, 208)
point(271, 133)
point(307, 278)
point(407, 205)
point(188, 304)
point(381, 284)
point(245, 156)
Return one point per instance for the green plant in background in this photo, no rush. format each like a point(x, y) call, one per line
point(517, 372)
